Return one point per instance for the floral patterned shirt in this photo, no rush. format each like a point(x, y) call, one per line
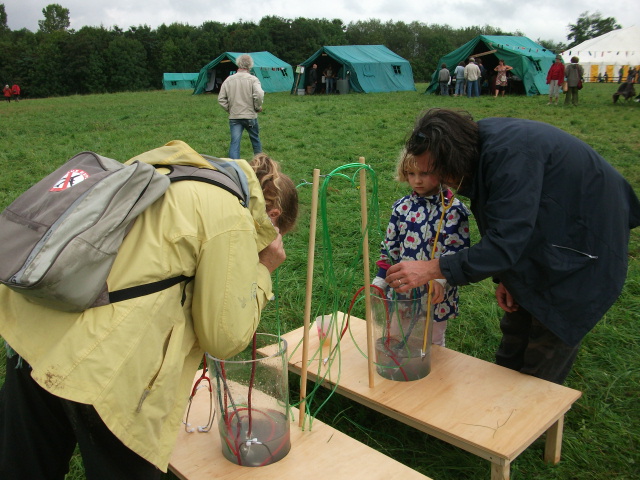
point(411, 234)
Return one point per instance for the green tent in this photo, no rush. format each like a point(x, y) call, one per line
point(530, 61)
point(179, 81)
point(360, 68)
point(274, 74)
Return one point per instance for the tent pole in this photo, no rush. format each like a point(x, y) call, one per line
point(295, 89)
point(476, 55)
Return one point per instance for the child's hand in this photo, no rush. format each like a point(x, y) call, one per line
point(437, 293)
point(380, 282)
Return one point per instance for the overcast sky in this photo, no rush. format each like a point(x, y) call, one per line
point(541, 19)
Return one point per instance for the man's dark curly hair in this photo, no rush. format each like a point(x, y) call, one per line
point(451, 137)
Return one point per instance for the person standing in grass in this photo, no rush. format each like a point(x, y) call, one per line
point(115, 379)
point(459, 73)
point(6, 91)
point(555, 77)
point(417, 219)
point(484, 77)
point(501, 79)
point(472, 77)
point(15, 91)
point(444, 77)
point(330, 80)
point(312, 79)
point(241, 96)
point(574, 73)
point(555, 221)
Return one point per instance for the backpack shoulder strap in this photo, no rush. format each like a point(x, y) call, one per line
point(218, 178)
point(147, 289)
point(233, 171)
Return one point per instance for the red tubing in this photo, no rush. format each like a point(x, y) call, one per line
point(388, 324)
point(226, 400)
point(235, 448)
point(228, 418)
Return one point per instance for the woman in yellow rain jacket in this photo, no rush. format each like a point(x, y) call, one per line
point(116, 379)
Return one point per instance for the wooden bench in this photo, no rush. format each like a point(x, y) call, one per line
point(485, 409)
point(318, 454)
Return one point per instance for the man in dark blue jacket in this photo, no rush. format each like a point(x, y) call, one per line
point(554, 218)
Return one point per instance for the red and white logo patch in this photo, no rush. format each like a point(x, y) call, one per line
point(69, 179)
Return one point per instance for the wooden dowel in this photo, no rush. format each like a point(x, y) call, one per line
point(367, 277)
point(309, 289)
point(428, 322)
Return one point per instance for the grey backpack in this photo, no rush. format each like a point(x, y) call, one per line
point(59, 239)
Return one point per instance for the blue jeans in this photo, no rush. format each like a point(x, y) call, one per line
point(444, 88)
point(460, 86)
point(236, 126)
point(330, 85)
point(473, 89)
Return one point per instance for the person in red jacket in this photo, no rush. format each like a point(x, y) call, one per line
point(7, 93)
point(555, 77)
point(15, 90)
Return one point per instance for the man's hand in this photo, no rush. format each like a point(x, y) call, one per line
point(505, 300)
point(410, 274)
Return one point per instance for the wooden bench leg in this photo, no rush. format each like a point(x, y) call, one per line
point(500, 471)
point(553, 444)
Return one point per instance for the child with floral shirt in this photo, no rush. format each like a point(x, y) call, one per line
point(412, 231)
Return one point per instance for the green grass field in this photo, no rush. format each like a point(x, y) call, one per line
point(602, 430)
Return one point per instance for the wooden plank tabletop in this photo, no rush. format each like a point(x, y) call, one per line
point(318, 454)
point(488, 410)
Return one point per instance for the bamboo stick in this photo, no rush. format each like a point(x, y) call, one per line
point(428, 322)
point(309, 289)
point(367, 278)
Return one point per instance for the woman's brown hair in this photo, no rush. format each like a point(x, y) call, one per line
point(278, 189)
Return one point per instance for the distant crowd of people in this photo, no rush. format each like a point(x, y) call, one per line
point(471, 78)
point(326, 84)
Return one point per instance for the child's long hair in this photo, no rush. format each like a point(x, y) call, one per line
point(278, 189)
point(406, 162)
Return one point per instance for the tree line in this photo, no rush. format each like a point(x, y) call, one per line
point(57, 61)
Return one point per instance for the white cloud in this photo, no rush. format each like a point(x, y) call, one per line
point(545, 19)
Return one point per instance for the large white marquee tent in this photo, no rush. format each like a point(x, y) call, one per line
point(608, 53)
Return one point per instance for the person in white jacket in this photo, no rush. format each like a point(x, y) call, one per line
point(241, 96)
point(472, 74)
